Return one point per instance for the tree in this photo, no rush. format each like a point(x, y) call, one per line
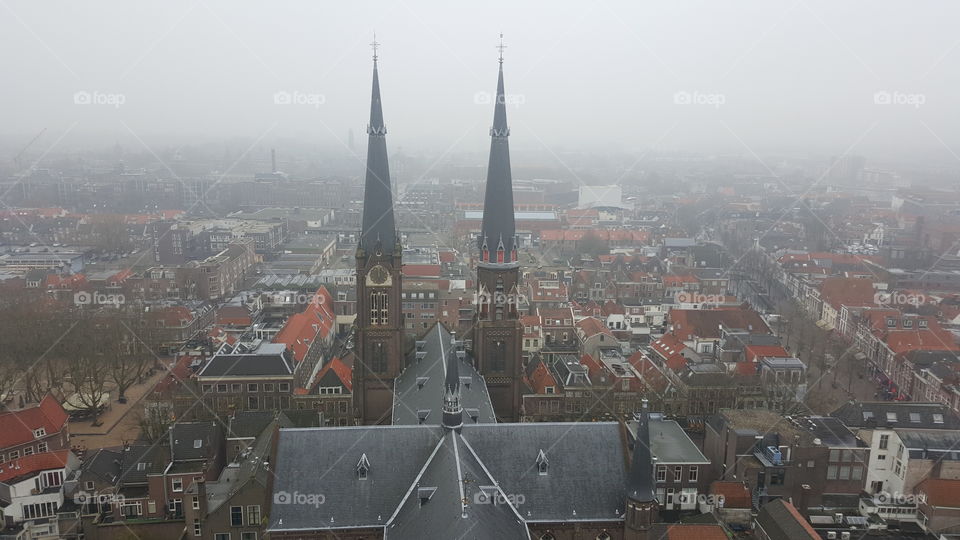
point(127, 341)
point(87, 369)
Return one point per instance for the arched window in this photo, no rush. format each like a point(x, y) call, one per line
point(379, 312)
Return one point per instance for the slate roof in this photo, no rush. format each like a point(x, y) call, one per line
point(781, 521)
point(419, 388)
point(586, 478)
point(264, 362)
point(378, 226)
point(906, 415)
point(498, 212)
point(190, 441)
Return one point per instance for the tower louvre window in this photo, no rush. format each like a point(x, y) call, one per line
point(378, 358)
point(498, 356)
point(379, 312)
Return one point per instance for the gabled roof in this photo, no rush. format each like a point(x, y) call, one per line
point(316, 321)
point(904, 341)
point(780, 520)
point(591, 326)
point(190, 441)
point(541, 378)
point(687, 531)
point(705, 323)
point(19, 427)
point(339, 369)
point(27, 466)
point(851, 292)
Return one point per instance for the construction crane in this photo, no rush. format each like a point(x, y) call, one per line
point(17, 158)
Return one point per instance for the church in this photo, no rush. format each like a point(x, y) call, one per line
point(437, 452)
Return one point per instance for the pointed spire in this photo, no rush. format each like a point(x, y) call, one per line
point(640, 476)
point(379, 228)
point(498, 217)
point(452, 407)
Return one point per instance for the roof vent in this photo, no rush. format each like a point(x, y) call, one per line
point(421, 355)
point(542, 463)
point(474, 414)
point(363, 467)
point(465, 381)
point(425, 494)
point(421, 381)
point(422, 415)
point(461, 355)
point(421, 344)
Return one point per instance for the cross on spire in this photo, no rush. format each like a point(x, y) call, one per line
point(501, 47)
point(374, 46)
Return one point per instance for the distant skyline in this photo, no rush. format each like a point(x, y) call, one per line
point(806, 78)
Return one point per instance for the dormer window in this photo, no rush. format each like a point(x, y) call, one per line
point(908, 323)
point(363, 467)
point(39, 432)
point(542, 463)
point(922, 323)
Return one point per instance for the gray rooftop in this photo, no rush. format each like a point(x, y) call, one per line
point(669, 443)
point(418, 391)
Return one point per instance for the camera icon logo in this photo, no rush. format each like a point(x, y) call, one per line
point(82, 298)
point(281, 497)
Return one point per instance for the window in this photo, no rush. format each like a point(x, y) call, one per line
point(914, 418)
point(857, 473)
point(661, 473)
point(268, 387)
point(177, 484)
point(90, 485)
point(378, 358)
point(834, 455)
point(937, 418)
point(236, 516)
point(41, 448)
point(15, 454)
point(196, 502)
point(891, 417)
point(152, 507)
point(28, 451)
point(236, 388)
point(284, 387)
point(39, 510)
point(253, 403)
point(206, 388)
point(39, 432)
point(922, 323)
point(832, 472)
point(196, 527)
point(881, 457)
point(222, 388)
point(694, 473)
point(379, 312)
point(248, 536)
point(251, 387)
point(845, 472)
point(884, 441)
point(221, 536)
point(253, 514)
point(677, 473)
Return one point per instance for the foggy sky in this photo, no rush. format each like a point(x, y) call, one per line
point(794, 76)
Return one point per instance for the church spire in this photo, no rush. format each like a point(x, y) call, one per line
point(452, 407)
point(498, 219)
point(379, 228)
point(640, 476)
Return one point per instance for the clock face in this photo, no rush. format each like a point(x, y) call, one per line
point(378, 275)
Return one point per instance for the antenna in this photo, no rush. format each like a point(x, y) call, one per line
point(374, 46)
point(501, 47)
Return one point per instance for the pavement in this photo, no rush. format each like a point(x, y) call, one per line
point(120, 422)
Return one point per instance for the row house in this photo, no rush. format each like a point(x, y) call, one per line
point(238, 379)
point(32, 493)
point(309, 335)
point(802, 458)
point(331, 394)
point(35, 429)
point(681, 472)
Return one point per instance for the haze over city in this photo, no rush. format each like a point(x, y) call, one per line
point(427, 270)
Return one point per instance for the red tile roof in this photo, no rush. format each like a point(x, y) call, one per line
point(705, 323)
point(904, 341)
point(541, 378)
point(940, 492)
point(591, 327)
point(669, 348)
point(17, 427)
point(735, 494)
point(422, 270)
point(314, 322)
point(340, 369)
point(839, 291)
point(33, 463)
point(687, 531)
